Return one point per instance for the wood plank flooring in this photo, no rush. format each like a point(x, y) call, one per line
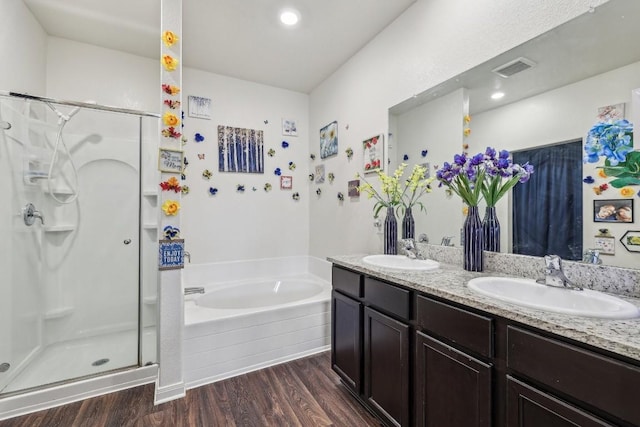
point(304, 392)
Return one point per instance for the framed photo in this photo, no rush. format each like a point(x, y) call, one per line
point(352, 188)
point(611, 112)
point(199, 107)
point(289, 127)
point(620, 210)
point(631, 240)
point(605, 244)
point(329, 140)
point(319, 174)
point(286, 182)
point(170, 161)
point(373, 153)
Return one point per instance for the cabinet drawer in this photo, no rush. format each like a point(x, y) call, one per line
point(470, 330)
point(347, 282)
point(603, 382)
point(389, 298)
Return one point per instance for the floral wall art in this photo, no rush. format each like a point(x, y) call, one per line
point(373, 153)
point(240, 150)
point(329, 140)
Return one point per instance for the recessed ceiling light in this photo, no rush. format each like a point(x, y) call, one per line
point(497, 95)
point(289, 17)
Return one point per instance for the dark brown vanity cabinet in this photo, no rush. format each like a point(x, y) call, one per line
point(416, 359)
point(530, 407)
point(370, 343)
point(346, 328)
point(452, 387)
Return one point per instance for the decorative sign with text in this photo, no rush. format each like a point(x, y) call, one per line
point(171, 254)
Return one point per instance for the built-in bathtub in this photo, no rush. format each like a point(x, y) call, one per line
point(254, 314)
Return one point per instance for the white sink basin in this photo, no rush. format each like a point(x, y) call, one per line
point(528, 293)
point(401, 262)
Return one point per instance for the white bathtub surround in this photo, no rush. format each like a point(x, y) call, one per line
point(224, 342)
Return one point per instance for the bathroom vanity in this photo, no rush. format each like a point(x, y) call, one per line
point(420, 348)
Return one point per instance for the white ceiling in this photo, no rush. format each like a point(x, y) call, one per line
point(237, 38)
point(590, 44)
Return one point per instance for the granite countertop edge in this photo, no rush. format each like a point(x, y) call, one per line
point(449, 282)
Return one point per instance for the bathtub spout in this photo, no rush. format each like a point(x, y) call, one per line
point(196, 290)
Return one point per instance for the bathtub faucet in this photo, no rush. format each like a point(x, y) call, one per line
point(195, 290)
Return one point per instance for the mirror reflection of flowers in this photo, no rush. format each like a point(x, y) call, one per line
point(613, 141)
point(390, 194)
point(415, 187)
point(498, 168)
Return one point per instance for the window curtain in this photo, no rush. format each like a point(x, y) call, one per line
point(547, 211)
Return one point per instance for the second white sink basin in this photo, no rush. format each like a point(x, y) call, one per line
point(528, 293)
point(401, 262)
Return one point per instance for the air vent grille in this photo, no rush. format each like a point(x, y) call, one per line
point(514, 67)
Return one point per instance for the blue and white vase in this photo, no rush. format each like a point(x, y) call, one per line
point(390, 233)
point(491, 230)
point(473, 241)
point(408, 225)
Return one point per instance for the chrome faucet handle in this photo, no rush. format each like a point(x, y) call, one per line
point(410, 248)
point(553, 262)
point(422, 238)
point(554, 275)
point(30, 213)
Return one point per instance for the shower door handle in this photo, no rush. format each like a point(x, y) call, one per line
point(29, 214)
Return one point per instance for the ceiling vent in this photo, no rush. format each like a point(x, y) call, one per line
point(514, 67)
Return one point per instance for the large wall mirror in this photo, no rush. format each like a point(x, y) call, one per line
point(553, 96)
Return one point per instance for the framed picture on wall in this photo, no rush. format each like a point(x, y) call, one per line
point(170, 161)
point(286, 182)
point(373, 153)
point(619, 210)
point(631, 240)
point(329, 140)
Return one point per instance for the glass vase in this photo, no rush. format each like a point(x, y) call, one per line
point(473, 241)
point(491, 230)
point(408, 225)
point(390, 233)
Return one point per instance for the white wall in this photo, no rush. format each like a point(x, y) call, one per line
point(436, 126)
point(82, 72)
point(254, 224)
point(561, 115)
point(431, 42)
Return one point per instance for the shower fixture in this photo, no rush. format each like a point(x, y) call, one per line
point(30, 214)
point(62, 121)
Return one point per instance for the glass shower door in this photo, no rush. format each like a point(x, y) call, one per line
point(75, 274)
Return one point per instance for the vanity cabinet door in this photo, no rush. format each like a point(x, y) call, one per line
point(453, 389)
point(530, 407)
point(346, 340)
point(386, 362)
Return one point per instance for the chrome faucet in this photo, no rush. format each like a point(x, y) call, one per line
point(554, 276)
point(412, 249)
point(194, 290)
point(187, 256)
point(30, 214)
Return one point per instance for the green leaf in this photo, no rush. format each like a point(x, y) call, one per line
point(623, 182)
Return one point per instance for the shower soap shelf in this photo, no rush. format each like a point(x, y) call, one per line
point(59, 228)
point(57, 313)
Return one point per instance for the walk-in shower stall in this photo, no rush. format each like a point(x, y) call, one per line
point(78, 242)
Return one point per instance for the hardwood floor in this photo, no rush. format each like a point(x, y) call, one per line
point(304, 392)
